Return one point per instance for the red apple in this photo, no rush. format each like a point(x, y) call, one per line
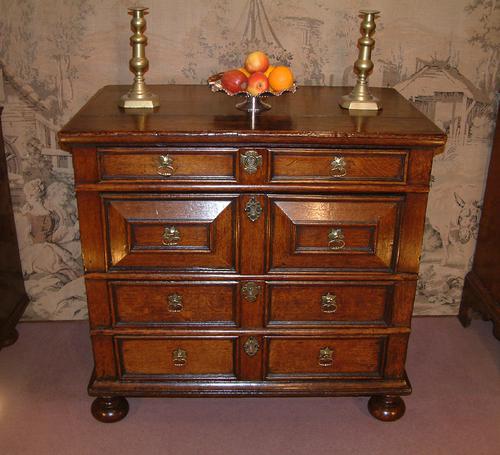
point(256, 62)
point(234, 81)
point(257, 84)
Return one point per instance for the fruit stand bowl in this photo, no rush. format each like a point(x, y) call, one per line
point(251, 104)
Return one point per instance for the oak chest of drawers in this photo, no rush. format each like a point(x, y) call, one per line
point(231, 257)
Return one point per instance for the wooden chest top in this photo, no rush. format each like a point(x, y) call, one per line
point(192, 113)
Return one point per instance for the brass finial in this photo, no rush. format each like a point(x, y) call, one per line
point(139, 95)
point(360, 97)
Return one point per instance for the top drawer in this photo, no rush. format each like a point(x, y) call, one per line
point(167, 164)
point(336, 165)
point(248, 165)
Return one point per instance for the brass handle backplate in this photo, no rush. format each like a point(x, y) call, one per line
point(179, 357)
point(336, 239)
point(325, 358)
point(175, 303)
point(171, 236)
point(329, 303)
point(250, 291)
point(166, 165)
point(338, 167)
point(251, 161)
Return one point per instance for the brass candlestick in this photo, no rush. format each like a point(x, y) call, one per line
point(139, 95)
point(360, 97)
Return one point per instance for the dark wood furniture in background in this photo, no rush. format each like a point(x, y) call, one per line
point(13, 298)
point(482, 284)
point(226, 257)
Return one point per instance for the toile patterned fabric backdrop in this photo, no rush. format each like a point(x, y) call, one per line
point(442, 55)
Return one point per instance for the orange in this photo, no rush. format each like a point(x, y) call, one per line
point(281, 78)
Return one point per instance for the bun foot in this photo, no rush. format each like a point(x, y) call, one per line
point(109, 409)
point(386, 407)
point(9, 339)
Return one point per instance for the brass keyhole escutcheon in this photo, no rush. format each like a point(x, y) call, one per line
point(338, 167)
point(253, 209)
point(175, 303)
point(251, 161)
point(336, 239)
point(325, 358)
point(179, 357)
point(166, 165)
point(250, 291)
point(329, 303)
point(171, 236)
point(251, 346)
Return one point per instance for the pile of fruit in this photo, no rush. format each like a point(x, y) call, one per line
point(257, 76)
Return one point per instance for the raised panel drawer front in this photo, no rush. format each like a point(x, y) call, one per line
point(171, 232)
point(328, 233)
point(174, 303)
point(329, 303)
point(177, 358)
point(167, 164)
point(339, 165)
point(322, 358)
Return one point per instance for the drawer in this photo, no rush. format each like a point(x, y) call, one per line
point(329, 303)
point(167, 164)
point(176, 357)
point(329, 233)
point(294, 166)
point(174, 303)
point(173, 232)
point(323, 358)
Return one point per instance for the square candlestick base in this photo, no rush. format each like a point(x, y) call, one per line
point(130, 101)
point(370, 104)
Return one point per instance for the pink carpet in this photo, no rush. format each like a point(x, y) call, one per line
point(455, 407)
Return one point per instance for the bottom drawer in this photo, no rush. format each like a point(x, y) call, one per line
point(324, 358)
point(176, 357)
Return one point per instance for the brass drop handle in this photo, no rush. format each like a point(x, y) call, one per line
point(329, 303)
point(179, 357)
point(175, 303)
point(338, 167)
point(171, 236)
point(336, 239)
point(166, 165)
point(251, 161)
point(325, 358)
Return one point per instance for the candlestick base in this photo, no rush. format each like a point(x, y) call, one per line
point(133, 101)
point(352, 102)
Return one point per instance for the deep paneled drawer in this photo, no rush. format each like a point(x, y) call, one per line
point(328, 303)
point(174, 303)
point(293, 166)
point(175, 358)
point(167, 164)
point(171, 232)
point(322, 233)
point(321, 358)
